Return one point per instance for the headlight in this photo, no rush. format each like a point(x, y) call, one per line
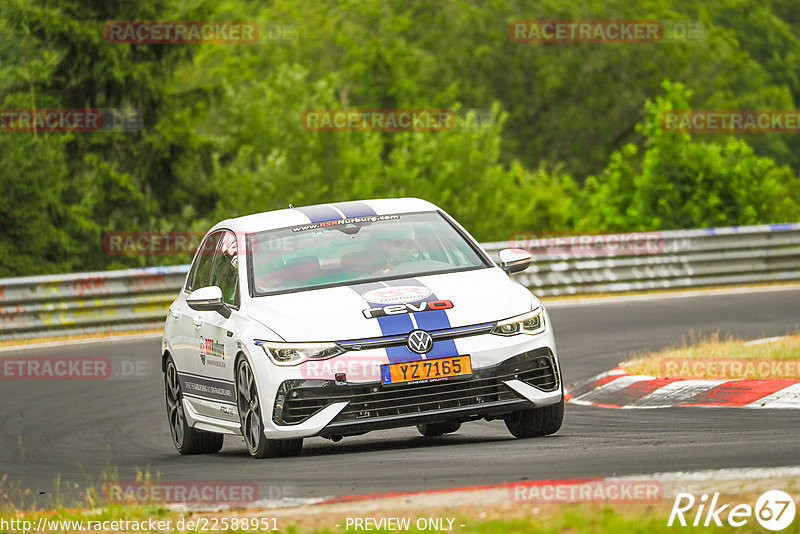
point(527, 323)
point(295, 353)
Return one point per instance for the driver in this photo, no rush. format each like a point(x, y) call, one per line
point(397, 245)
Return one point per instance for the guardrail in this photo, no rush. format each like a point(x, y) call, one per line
point(110, 301)
point(134, 299)
point(659, 260)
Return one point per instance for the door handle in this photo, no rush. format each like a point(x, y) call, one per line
point(175, 313)
point(197, 323)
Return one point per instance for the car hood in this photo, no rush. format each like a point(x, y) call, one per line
point(337, 313)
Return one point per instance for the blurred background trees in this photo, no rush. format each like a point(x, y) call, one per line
point(565, 136)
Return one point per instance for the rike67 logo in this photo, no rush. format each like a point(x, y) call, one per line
point(774, 510)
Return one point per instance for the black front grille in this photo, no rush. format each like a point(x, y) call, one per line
point(375, 401)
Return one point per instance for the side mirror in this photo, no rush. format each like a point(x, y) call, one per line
point(208, 299)
point(514, 260)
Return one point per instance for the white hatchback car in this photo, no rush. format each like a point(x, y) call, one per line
point(338, 319)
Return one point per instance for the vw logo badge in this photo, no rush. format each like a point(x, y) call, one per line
point(420, 341)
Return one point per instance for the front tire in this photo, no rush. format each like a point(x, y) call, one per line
point(536, 422)
point(249, 405)
point(186, 439)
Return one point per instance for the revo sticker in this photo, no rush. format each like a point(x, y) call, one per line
point(399, 309)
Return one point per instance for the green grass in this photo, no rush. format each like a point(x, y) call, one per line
point(591, 519)
point(717, 355)
point(549, 519)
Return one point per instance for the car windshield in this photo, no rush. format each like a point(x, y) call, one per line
point(342, 252)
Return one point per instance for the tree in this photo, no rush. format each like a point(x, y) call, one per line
point(681, 183)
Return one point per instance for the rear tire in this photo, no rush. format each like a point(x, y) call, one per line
point(430, 430)
point(249, 404)
point(186, 439)
point(536, 422)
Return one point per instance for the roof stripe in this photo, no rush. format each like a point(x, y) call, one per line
point(319, 213)
point(354, 208)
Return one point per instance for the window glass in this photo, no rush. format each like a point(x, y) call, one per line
point(225, 273)
point(200, 273)
point(326, 254)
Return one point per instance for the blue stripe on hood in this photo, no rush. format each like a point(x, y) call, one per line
point(431, 320)
point(391, 325)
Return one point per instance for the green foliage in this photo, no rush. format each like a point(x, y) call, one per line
point(681, 183)
point(222, 134)
point(40, 232)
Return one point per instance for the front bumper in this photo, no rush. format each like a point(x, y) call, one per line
point(325, 408)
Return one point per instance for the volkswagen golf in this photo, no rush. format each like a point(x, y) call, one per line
point(339, 319)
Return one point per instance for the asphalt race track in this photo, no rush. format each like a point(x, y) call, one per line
point(75, 431)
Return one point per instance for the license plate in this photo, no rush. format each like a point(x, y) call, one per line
point(426, 370)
